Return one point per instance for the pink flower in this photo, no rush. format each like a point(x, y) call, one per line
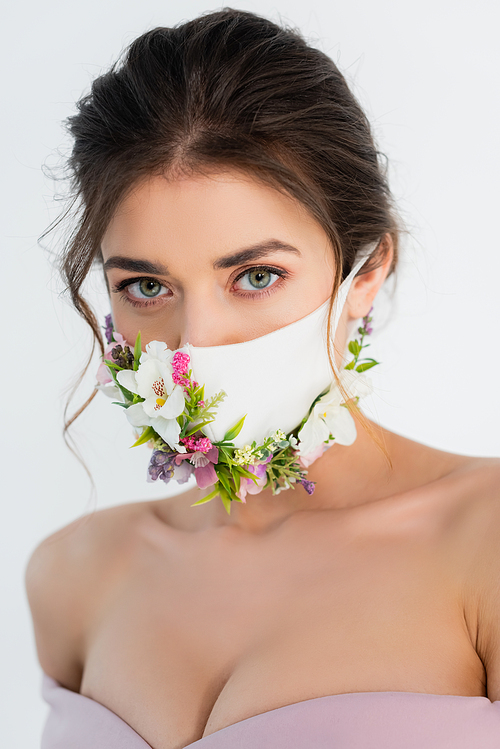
point(204, 470)
point(103, 376)
point(307, 460)
point(180, 366)
point(248, 486)
point(197, 444)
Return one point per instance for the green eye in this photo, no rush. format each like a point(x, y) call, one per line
point(149, 288)
point(259, 279)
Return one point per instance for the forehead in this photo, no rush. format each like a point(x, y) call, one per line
point(208, 214)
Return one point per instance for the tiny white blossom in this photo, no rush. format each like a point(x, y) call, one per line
point(243, 456)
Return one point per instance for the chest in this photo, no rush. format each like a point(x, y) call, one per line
point(201, 635)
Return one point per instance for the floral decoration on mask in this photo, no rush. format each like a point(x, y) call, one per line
point(169, 410)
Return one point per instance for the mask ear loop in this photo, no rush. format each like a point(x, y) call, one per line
point(340, 300)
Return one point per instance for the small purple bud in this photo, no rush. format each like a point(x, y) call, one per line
point(309, 486)
point(160, 458)
point(154, 472)
point(108, 329)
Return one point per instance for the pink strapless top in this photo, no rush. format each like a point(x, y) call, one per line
point(357, 720)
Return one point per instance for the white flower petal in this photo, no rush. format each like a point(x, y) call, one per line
point(174, 405)
point(126, 378)
point(312, 434)
point(158, 350)
point(332, 398)
point(169, 430)
point(341, 425)
point(110, 390)
point(154, 373)
point(356, 383)
point(137, 416)
point(146, 376)
point(150, 406)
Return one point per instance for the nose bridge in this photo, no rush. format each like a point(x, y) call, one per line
point(200, 322)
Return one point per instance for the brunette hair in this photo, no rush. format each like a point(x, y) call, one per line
point(227, 90)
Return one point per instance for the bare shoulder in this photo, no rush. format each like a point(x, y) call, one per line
point(469, 497)
point(67, 577)
point(475, 497)
point(474, 528)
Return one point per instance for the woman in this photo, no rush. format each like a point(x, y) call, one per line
point(230, 188)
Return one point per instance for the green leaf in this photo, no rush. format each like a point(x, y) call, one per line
point(112, 365)
point(350, 365)
point(128, 395)
point(147, 434)
point(223, 478)
point(366, 365)
point(227, 453)
point(354, 347)
point(198, 427)
point(236, 479)
point(232, 433)
point(210, 496)
point(119, 403)
point(137, 351)
point(243, 472)
point(226, 501)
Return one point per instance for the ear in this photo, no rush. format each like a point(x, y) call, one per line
point(364, 288)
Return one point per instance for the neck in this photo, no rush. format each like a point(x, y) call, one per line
point(344, 476)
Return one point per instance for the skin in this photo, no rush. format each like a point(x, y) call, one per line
point(185, 620)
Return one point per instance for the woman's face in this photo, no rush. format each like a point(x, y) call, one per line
point(212, 260)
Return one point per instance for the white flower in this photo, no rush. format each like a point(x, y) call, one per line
point(329, 416)
point(356, 384)
point(163, 399)
point(111, 390)
point(244, 455)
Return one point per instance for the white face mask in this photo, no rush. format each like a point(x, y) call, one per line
point(274, 379)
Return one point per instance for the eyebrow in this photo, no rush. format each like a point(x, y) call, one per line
point(246, 255)
point(135, 266)
point(255, 252)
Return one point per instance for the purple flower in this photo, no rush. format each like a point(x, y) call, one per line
point(367, 328)
point(163, 466)
point(249, 486)
point(108, 331)
point(182, 472)
point(309, 486)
